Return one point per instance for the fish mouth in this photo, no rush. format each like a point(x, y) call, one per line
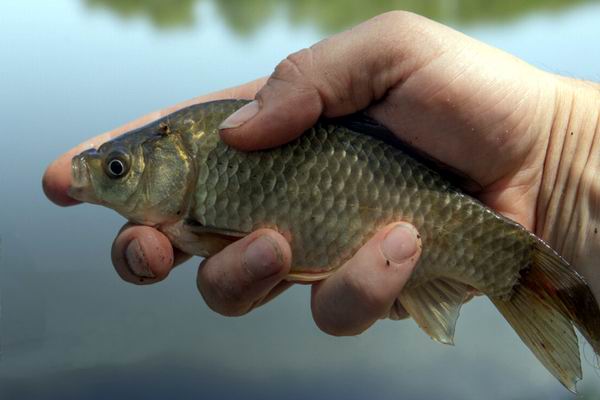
point(81, 187)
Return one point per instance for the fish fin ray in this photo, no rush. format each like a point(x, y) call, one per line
point(569, 291)
point(549, 301)
point(435, 307)
point(546, 331)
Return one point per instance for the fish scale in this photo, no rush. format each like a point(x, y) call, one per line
point(333, 188)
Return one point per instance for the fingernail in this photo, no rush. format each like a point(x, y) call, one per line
point(136, 260)
point(241, 116)
point(400, 243)
point(263, 258)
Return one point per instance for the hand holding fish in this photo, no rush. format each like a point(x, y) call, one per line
point(229, 284)
point(524, 136)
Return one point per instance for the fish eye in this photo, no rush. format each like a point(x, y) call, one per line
point(116, 165)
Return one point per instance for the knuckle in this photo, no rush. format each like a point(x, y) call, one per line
point(297, 69)
point(297, 64)
point(295, 75)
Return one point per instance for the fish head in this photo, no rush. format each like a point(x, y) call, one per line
point(143, 175)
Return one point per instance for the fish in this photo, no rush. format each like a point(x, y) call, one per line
point(328, 192)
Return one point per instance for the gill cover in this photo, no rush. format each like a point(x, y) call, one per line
point(143, 175)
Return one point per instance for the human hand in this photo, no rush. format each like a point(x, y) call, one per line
point(231, 282)
point(524, 135)
point(471, 106)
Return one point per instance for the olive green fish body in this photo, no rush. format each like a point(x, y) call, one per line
point(333, 188)
point(328, 192)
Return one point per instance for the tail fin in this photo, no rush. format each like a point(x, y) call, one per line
point(550, 298)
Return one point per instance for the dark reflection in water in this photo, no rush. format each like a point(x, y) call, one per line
point(174, 380)
point(163, 14)
point(244, 17)
point(160, 378)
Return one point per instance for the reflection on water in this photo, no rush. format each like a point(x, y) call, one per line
point(329, 16)
point(187, 381)
point(163, 14)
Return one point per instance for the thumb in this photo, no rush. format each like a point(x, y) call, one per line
point(337, 76)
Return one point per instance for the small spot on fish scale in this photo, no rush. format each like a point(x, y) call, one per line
point(211, 160)
point(232, 168)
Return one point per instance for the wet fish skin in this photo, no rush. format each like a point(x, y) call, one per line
point(328, 192)
point(333, 188)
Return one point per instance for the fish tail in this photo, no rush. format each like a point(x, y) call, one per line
point(549, 301)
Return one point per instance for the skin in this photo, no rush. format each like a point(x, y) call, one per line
point(527, 137)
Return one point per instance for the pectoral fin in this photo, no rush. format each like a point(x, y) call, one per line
point(198, 228)
point(435, 307)
point(194, 238)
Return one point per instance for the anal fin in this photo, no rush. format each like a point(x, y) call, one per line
point(547, 332)
point(435, 306)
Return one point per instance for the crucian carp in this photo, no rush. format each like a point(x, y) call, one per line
point(328, 191)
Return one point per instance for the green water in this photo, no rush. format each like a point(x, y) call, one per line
point(70, 329)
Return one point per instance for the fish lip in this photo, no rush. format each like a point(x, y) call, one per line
point(81, 188)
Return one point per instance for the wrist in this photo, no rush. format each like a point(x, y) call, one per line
point(568, 207)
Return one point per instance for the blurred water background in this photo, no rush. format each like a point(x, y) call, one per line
point(71, 329)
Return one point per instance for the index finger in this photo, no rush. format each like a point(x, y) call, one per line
point(57, 177)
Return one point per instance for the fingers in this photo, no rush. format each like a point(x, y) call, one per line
point(143, 255)
point(57, 178)
point(247, 273)
point(335, 77)
point(366, 287)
